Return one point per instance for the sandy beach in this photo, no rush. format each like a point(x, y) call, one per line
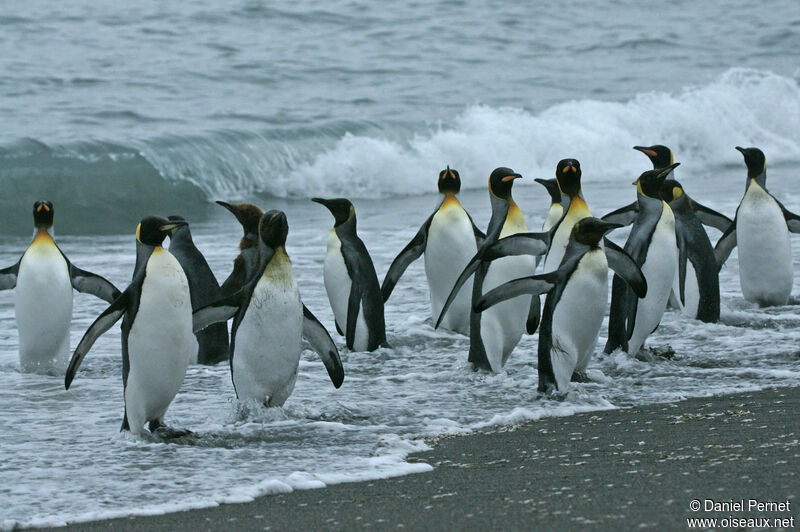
point(642, 467)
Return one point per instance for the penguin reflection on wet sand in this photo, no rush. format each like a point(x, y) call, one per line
point(507, 253)
point(577, 294)
point(449, 239)
point(269, 324)
point(761, 230)
point(351, 281)
point(653, 245)
point(204, 289)
point(696, 286)
point(245, 263)
point(43, 279)
point(157, 338)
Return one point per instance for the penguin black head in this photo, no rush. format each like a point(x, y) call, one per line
point(449, 181)
point(43, 214)
point(248, 215)
point(273, 228)
point(500, 182)
point(153, 229)
point(590, 230)
point(755, 161)
point(671, 190)
point(649, 183)
point(177, 218)
point(552, 187)
point(568, 176)
point(341, 209)
point(659, 155)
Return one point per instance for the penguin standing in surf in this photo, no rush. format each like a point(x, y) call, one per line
point(246, 262)
point(449, 239)
point(351, 281)
point(653, 245)
point(269, 324)
point(43, 279)
point(568, 179)
point(695, 289)
point(761, 230)
point(203, 288)
point(577, 293)
point(504, 255)
point(157, 338)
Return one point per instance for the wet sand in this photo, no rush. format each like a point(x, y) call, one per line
point(618, 470)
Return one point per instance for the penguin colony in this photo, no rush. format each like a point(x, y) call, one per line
point(483, 285)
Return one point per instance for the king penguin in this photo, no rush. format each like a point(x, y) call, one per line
point(203, 288)
point(351, 281)
point(449, 239)
point(157, 337)
point(269, 324)
point(568, 179)
point(577, 293)
point(652, 244)
point(761, 230)
point(556, 209)
point(494, 334)
point(44, 278)
point(245, 263)
point(695, 290)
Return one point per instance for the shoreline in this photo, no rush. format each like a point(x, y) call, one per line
point(634, 467)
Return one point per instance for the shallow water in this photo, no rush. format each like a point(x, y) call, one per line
point(117, 113)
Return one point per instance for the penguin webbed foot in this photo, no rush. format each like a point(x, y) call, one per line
point(654, 354)
point(580, 376)
point(164, 432)
point(551, 393)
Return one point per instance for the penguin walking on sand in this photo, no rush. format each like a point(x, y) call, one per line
point(653, 245)
point(695, 289)
point(157, 337)
point(761, 230)
point(203, 288)
point(504, 255)
point(556, 209)
point(449, 239)
point(43, 279)
point(577, 293)
point(351, 281)
point(246, 262)
point(269, 324)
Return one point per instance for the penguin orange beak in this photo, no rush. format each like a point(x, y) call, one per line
point(510, 177)
point(646, 151)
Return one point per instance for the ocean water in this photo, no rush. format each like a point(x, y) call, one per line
point(117, 112)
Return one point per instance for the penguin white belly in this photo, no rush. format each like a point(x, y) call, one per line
point(659, 269)
point(553, 216)
point(691, 292)
point(268, 340)
point(43, 308)
point(765, 253)
point(578, 316)
point(450, 246)
point(160, 342)
point(578, 210)
point(337, 285)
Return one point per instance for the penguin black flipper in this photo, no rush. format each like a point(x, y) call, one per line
point(535, 244)
point(103, 323)
point(317, 335)
point(8, 276)
point(618, 316)
point(683, 257)
point(480, 236)
point(91, 283)
point(534, 316)
point(710, 217)
point(624, 215)
point(792, 220)
point(409, 254)
point(353, 308)
point(725, 245)
point(218, 311)
point(624, 266)
point(533, 285)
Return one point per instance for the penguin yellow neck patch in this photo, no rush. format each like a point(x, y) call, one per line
point(42, 237)
point(450, 201)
